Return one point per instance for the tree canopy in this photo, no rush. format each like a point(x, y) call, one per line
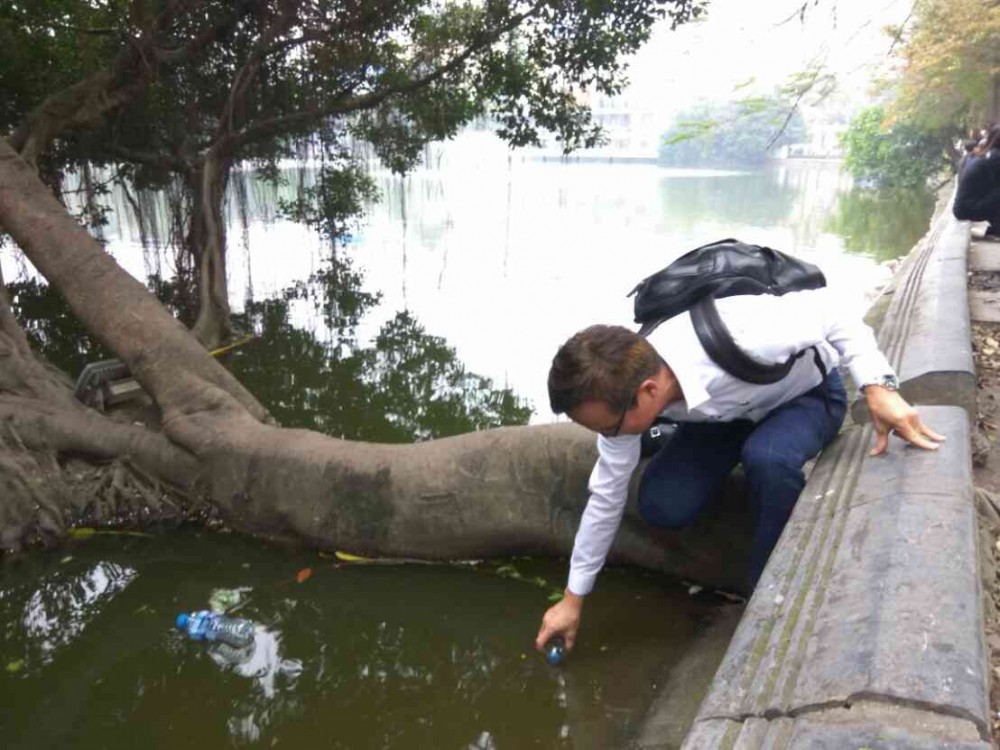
point(168, 95)
point(892, 154)
point(743, 132)
point(950, 65)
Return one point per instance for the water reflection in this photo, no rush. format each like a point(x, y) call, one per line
point(262, 663)
point(883, 223)
point(407, 385)
point(752, 198)
point(64, 604)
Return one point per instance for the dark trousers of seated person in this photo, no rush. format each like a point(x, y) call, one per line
point(680, 480)
point(985, 208)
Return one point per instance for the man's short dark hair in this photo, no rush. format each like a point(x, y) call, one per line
point(601, 363)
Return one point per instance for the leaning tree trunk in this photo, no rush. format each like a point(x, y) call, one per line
point(131, 473)
point(207, 243)
point(500, 492)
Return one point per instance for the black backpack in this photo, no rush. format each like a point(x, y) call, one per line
point(722, 269)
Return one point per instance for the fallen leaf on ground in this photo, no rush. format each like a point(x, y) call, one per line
point(347, 557)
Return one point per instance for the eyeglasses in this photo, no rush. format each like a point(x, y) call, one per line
point(614, 431)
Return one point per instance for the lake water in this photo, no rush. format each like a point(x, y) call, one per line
point(505, 256)
point(352, 657)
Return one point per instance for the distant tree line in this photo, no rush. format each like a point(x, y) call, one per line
point(732, 133)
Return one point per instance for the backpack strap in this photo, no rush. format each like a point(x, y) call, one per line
point(718, 343)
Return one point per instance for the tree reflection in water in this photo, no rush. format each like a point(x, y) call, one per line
point(881, 223)
point(407, 385)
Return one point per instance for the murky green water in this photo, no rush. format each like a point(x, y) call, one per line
point(352, 657)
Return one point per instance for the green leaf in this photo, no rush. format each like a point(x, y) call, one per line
point(556, 596)
point(83, 532)
point(15, 666)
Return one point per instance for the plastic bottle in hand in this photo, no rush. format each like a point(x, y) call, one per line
point(555, 650)
point(208, 626)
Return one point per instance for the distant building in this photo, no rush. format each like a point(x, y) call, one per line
point(632, 127)
point(824, 126)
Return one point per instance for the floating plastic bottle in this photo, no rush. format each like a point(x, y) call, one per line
point(207, 626)
point(555, 650)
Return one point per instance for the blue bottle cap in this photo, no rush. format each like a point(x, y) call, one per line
point(182, 620)
point(555, 649)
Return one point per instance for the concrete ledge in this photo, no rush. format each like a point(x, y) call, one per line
point(926, 334)
point(852, 728)
point(872, 594)
point(866, 630)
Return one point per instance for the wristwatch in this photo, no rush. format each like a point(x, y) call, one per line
point(889, 382)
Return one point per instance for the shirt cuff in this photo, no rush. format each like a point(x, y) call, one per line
point(581, 584)
point(869, 368)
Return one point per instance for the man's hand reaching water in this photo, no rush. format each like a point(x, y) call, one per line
point(562, 618)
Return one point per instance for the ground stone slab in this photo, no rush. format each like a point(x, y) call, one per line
point(984, 256)
point(984, 307)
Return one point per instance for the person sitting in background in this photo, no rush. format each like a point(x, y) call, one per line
point(978, 194)
point(968, 146)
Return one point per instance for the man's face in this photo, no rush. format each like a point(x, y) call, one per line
point(600, 417)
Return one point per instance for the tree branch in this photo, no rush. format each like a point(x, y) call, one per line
point(374, 98)
point(86, 102)
point(102, 31)
point(898, 36)
point(248, 72)
point(149, 158)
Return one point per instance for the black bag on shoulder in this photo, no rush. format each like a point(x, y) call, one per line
point(723, 269)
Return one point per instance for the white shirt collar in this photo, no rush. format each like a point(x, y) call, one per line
point(692, 388)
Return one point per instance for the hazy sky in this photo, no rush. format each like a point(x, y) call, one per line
point(743, 40)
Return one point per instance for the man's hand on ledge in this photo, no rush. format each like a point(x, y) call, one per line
point(890, 413)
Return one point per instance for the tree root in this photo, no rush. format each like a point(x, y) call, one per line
point(45, 495)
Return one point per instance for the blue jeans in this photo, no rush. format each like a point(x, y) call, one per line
point(679, 480)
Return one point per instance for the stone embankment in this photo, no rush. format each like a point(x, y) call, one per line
point(866, 630)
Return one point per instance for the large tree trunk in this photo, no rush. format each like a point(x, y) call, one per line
point(207, 244)
point(501, 492)
point(63, 464)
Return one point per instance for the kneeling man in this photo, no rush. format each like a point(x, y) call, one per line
point(617, 383)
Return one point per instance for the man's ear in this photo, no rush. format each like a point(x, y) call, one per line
point(649, 386)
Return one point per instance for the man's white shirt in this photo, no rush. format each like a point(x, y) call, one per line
point(769, 328)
